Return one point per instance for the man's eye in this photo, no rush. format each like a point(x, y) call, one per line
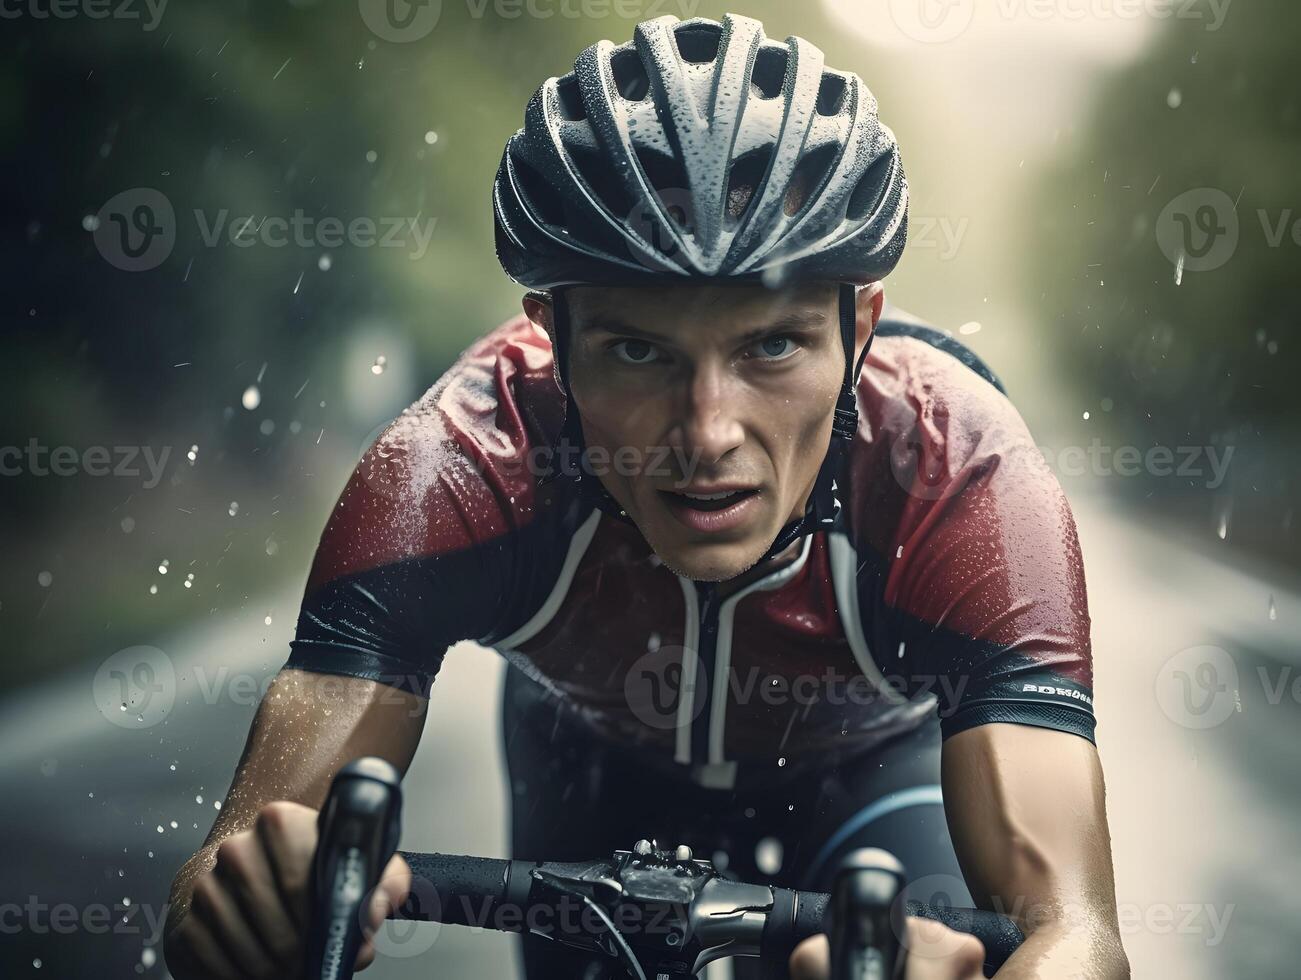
point(776, 348)
point(634, 352)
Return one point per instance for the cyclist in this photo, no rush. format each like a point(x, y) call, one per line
point(756, 587)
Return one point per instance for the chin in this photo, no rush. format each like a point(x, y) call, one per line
point(710, 562)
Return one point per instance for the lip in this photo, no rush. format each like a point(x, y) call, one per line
point(712, 521)
point(703, 488)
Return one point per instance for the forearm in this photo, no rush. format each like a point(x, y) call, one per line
point(307, 727)
point(1086, 947)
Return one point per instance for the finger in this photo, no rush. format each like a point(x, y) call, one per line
point(245, 869)
point(387, 896)
point(193, 951)
point(288, 835)
point(811, 959)
point(937, 952)
point(220, 912)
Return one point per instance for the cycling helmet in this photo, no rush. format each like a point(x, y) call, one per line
point(703, 151)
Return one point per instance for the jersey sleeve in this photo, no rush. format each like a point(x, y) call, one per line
point(980, 589)
point(431, 540)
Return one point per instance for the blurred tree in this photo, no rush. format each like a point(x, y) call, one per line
point(1193, 151)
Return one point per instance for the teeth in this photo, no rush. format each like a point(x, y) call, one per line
point(711, 496)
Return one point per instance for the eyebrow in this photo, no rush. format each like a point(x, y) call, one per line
point(790, 320)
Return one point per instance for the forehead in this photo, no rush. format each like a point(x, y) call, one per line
point(669, 309)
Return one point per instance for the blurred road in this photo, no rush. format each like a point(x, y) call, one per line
point(1200, 769)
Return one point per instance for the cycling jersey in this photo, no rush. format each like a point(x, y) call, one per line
point(952, 581)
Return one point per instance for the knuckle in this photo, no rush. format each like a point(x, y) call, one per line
point(233, 856)
point(275, 817)
point(205, 895)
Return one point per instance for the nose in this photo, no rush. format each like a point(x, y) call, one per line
point(707, 419)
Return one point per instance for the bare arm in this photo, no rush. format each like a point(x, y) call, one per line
point(1025, 807)
point(251, 873)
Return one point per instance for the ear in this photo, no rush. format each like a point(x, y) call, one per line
point(870, 300)
point(537, 307)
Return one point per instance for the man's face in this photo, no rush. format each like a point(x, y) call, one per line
point(707, 410)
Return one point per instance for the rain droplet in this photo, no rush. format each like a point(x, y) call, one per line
point(153, 590)
point(45, 580)
point(1175, 99)
point(1273, 609)
point(1086, 416)
point(193, 454)
point(272, 546)
point(198, 799)
point(162, 566)
point(233, 509)
point(968, 328)
point(90, 222)
point(189, 581)
point(324, 262)
point(128, 525)
point(267, 427)
point(251, 398)
point(380, 363)
point(267, 621)
point(371, 156)
point(431, 137)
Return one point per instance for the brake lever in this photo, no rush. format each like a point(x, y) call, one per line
point(358, 826)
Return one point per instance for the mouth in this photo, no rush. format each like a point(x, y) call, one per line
point(711, 512)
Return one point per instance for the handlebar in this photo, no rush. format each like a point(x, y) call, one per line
point(731, 918)
point(661, 912)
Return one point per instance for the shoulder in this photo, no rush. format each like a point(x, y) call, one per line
point(934, 424)
point(454, 470)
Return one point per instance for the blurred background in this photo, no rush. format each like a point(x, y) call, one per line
point(240, 237)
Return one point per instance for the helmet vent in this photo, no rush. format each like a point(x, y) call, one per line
point(698, 44)
point(570, 98)
point(743, 180)
point(601, 179)
point(831, 94)
point(630, 75)
point(809, 176)
point(871, 189)
point(769, 71)
point(541, 196)
point(663, 172)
